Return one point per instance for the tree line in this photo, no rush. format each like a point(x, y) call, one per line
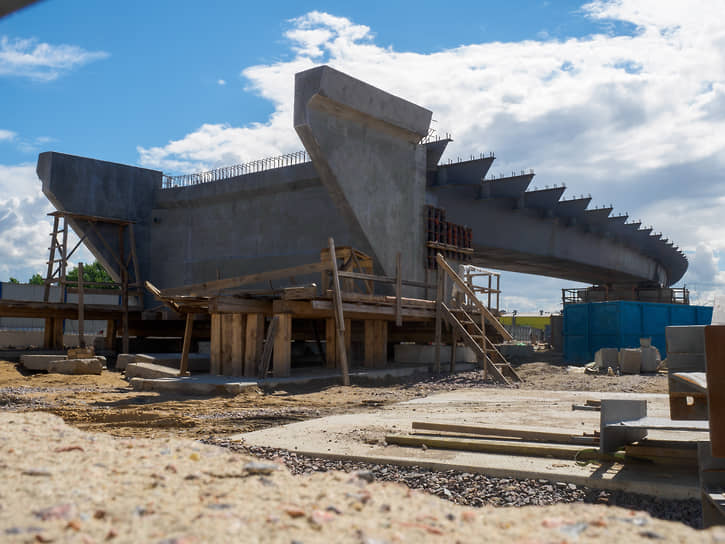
point(92, 273)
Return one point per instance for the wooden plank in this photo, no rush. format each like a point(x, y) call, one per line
point(184, 366)
point(300, 293)
point(216, 344)
point(253, 344)
point(376, 343)
point(490, 318)
point(238, 334)
point(530, 434)
point(398, 291)
point(210, 287)
point(339, 316)
point(234, 305)
point(661, 424)
point(51, 261)
point(282, 356)
point(504, 447)
point(266, 359)
point(64, 310)
point(330, 343)
point(379, 279)
point(454, 345)
point(373, 310)
point(91, 218)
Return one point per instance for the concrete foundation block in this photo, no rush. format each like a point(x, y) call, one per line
point(425, 354)
point(685, 339)
point(200, 385)
point(39, 362)
point(630, 361)
point(650, 359)
point(517, 353)
point(686, 362)
point(76, 366)
point(607, 357)
point(198, 362)
point(124, 359)
point(149, 370)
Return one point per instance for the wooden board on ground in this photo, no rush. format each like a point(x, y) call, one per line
point(530, 434)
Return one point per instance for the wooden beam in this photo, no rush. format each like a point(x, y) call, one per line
point(379, 279)
point(339, 316)
point(504, 447)
point(520, 433)
point(211, 287)
point(253, 343)
point(227, 304)
point(110, 341)
point(282, 360)
point(184, 366)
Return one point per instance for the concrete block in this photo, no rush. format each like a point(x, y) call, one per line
point(425, 355)
point(194, 385)
point(76, 366)
point(686, 362)
point(685, 339)
point(517, 353)
point(630, 361)
point(607, 357)
point(645, 342)
point(39, 362)
point(124, 359)
point(198, 362)
point(149, 370)
point(650, 359)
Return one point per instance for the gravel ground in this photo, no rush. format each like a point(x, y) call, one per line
point(472, 489)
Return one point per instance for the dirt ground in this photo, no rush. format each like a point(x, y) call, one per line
point(106, 403)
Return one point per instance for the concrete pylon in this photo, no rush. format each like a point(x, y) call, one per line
point(365, 145)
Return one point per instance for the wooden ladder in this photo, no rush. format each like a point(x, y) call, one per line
point(460, 316)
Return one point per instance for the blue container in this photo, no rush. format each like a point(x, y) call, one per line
point(594, 325)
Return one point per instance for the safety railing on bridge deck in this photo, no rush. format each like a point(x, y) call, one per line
point(228, 172)
point(667, 295)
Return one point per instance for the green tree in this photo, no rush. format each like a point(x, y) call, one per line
point(37, 279)
point(92, 273)
point(13, 280)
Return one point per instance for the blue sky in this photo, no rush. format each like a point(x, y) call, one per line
point(621, 99)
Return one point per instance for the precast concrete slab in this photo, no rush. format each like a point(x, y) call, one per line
point(39, 362)
point(198, 362)
point(361, 437)
point(207, 384)
point(149, 370)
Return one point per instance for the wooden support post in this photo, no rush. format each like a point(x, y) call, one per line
point(51, 262)
point(81, 309)
point(110, 334)
point(339, 315)
point(238, 332)
point(376, 343)
point(64, 261)
point(57, 333)
point(48, 333)
point(454, 343)
point(398, 292)
point(282, 359)
point(226, 343)
point(489, 291)
point(330, 344)
point(124, 291)
point(253, 344)
point(439, 302)
point(188, 329)
point(216, 344)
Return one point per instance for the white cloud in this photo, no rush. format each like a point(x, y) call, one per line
point(636, 120)
point(7, 135)
point(221, 82)
point(42, 61)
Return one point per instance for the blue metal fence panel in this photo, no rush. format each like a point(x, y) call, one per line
point(591, 326)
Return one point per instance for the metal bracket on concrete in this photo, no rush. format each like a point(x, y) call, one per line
point(614, 415)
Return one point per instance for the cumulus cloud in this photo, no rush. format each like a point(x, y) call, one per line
point(221, 82)
point(7, 135)
point(42, 61)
